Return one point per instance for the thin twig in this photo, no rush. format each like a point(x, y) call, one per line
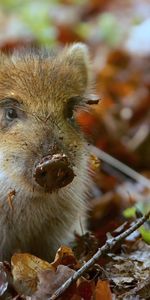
point(110, 243)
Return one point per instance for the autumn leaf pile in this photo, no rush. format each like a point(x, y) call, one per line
point(116, 276)
point(118, 125)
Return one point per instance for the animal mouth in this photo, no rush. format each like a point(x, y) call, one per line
point(53, 172)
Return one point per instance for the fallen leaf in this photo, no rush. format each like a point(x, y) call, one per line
point(86, 288)
point(64, 256)
point(24, 270)
point(49, 281)
point(102, 290)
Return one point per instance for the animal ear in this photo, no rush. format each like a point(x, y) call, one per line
point(77, 57)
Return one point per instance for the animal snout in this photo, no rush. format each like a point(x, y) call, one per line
point(53, 172)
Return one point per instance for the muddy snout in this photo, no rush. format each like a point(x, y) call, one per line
point(53, 172)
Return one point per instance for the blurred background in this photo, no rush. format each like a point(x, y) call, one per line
point(117, 33)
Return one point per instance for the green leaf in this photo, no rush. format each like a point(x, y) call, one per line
point(145, 234)
point(110, 30)
point(35, 16)
point(129, 212)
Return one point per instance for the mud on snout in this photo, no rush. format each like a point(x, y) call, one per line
point(53, 172)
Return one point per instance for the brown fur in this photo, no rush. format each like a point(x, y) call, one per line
point(39, 222)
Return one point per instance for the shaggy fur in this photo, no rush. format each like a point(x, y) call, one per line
point(40, 85)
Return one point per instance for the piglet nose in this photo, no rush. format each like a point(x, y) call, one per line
point(53, 172)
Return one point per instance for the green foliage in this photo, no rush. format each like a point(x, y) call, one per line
point(143, 208)
point(129, 212)
point(145, 234)
point(83, 29)
point(109, 29)
point(35, 16)
point(14, 4)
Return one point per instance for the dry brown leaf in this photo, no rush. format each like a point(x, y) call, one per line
point(94, 163)
point(130, 269)
point(141, 290)
point(24, 270)
point(85, 288)
point(64, 256)
point(49, 281)
point(102, 290)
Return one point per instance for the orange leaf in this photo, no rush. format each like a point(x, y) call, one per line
point(102, 290)
point(64, 256)
point(24, 270)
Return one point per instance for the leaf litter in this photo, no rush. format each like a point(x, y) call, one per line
point(119, 125)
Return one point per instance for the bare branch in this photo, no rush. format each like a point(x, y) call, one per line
point(110, 243)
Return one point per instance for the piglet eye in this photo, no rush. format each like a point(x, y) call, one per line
point(70, 108)
point(10, 114)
